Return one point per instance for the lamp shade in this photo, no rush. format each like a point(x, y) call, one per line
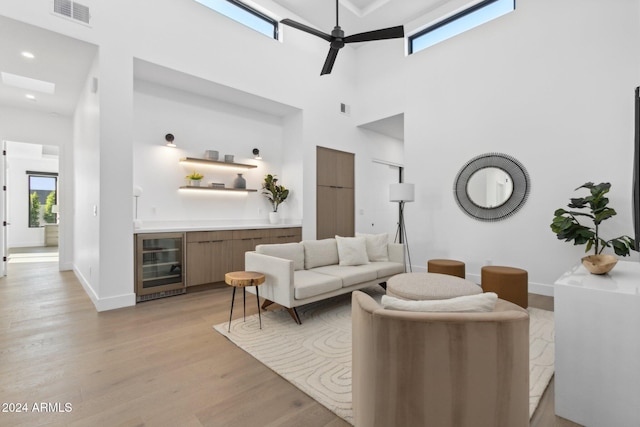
point(401, 192)
point(137, 191)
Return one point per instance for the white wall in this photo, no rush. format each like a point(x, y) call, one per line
point(198, 124)
point(86, 179)
point(550, 84)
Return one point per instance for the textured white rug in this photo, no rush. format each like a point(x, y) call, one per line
point(316, 356)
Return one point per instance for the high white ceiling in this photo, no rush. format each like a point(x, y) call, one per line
point(58, 59)
point(65, 61)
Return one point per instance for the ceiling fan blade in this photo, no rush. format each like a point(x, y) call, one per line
point(383, 34)
point(328, 63)
point(306, 29)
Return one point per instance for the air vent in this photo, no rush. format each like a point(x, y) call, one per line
point(71, 9)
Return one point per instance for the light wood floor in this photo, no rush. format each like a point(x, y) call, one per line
point(159, 363)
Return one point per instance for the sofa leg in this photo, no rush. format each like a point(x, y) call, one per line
point(294, 314)
point(266, 303)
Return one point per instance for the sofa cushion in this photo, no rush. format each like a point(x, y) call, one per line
point(467, 303)
point(352, 250)
point(376, 246)
point(320, 252)
point(309, 284)
point(291, 251)
point(385, 268)
point(349, 275)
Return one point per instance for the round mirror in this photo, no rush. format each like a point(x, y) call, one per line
point(491, 187)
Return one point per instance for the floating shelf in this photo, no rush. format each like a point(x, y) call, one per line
point(193, 187)
point(216, 163)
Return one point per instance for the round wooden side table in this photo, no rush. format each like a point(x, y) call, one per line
point(242, 279)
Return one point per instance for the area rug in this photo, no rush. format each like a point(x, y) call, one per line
point(316, 356)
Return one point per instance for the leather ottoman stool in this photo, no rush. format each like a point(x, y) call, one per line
point(511, 284)
point(446, 266)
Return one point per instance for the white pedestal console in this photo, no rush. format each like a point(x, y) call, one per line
point(597, 363)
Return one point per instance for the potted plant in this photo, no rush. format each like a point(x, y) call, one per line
point(567, 227)
point(276, 195)
point(194, 178)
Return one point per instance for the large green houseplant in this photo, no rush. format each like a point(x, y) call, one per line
point(595, 210)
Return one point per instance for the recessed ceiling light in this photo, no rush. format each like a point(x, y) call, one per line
point(27, 83)
point(27, 54)
point(30, 97)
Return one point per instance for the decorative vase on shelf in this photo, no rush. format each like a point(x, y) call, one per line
point(274, 217)
point(239, 182)
point(194, 183)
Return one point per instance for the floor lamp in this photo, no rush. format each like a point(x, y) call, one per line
point(402, 193)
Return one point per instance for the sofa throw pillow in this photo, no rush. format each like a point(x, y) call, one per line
point(464, 304)
point(318, 253)
point(376, 246)
point(352, 250)
point(290, 251)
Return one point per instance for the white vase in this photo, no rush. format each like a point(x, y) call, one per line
point(274, 217)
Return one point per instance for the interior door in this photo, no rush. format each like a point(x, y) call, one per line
point(3, 209)
point(383, 214)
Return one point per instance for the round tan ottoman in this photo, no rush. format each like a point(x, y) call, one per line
point(509, 283)
point(429, 286)
point(446, 266)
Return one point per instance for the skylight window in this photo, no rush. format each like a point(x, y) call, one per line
point(460, 22)
point(245, 15)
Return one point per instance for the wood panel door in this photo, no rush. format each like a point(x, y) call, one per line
point(335, 193)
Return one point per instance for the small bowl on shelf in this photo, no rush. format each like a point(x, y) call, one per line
point(599, 264)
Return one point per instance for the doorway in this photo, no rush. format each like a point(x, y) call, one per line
point(31, 209)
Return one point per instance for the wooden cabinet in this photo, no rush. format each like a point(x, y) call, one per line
point(208, 256)
point(335, 193)
point(285, 235)
point(51, 234)
point(246, 240)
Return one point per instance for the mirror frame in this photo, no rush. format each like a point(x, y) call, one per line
point(519, 195)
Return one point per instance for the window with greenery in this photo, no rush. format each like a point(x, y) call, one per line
point(460, 22)
point(42, 198)
point(245, 15)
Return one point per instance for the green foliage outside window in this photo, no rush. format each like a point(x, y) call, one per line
point(49, 216)
point(34, 210)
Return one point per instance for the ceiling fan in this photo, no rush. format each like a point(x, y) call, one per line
point(338, 40)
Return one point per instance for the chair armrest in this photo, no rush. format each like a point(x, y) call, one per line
point(396, 252)
point(278, 272)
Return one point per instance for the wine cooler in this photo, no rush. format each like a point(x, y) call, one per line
point(159, 265)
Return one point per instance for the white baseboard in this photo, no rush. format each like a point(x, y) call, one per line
point(104, 304)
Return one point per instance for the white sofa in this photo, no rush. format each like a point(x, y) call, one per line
point(312, 270)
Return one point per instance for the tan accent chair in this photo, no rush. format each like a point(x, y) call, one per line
point(440, 369)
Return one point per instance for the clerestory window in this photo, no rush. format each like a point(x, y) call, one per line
point(245, 15)
point(460, 22)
